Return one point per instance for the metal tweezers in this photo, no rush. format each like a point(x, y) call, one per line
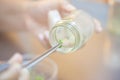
point(33, 62)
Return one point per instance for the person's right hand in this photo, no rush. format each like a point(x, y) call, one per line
point(15, 72)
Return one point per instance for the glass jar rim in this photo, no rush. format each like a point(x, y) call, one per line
point(71, 26)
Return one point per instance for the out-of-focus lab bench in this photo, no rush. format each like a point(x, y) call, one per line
point(84, 64)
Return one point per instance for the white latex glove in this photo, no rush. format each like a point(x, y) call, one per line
point(15, 72)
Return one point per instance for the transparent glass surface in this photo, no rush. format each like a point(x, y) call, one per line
point(74, 30)
point(45, 70)
point(114, 18)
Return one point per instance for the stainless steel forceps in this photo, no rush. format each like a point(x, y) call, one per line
point(33, 62)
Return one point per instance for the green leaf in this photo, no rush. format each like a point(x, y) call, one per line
point(60, 41)
point(39, 78)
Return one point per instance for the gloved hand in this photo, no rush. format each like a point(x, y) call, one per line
point(32, 16)
point(15, 72)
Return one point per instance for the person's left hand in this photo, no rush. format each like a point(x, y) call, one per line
point(32, 16)
point(37, 20)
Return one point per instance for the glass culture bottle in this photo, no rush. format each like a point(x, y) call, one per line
point(73, 31)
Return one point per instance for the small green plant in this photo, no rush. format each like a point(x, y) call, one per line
point(60, 41)
point(39, 78)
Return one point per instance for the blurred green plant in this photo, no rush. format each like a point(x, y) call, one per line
point(39, 78)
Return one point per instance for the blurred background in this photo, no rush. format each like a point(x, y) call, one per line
point(98, 60)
